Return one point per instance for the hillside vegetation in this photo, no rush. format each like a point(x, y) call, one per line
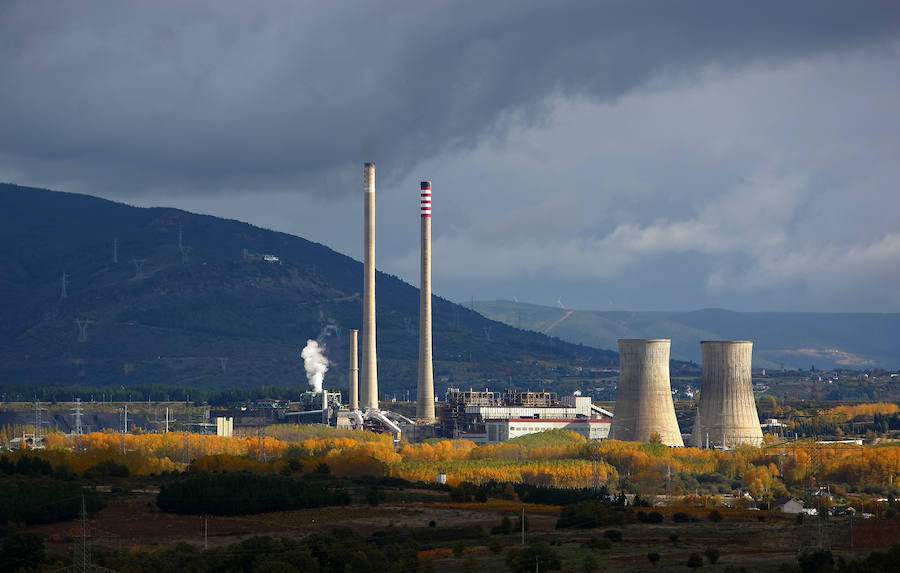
point(211, 317)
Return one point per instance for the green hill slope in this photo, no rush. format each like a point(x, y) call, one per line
point(216, 318)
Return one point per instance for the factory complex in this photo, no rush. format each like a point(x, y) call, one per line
point(644, 409)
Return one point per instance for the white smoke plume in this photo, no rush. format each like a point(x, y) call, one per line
point(315, 363)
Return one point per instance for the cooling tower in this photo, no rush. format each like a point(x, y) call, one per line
point(425, 394)
point(368, 394)
point(726, 415)
point(644, 399)
point(354, 371)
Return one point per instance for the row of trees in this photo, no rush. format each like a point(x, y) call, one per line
point(244, 493)
point(31, 501)
point(648, 468)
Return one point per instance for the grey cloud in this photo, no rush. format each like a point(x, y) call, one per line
point(672, 155)
point(237, 96)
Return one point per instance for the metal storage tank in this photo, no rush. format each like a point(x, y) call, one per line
point(726, 414)
point(644, 399)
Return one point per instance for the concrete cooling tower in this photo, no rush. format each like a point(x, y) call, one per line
point(644, 398)
point(726, 415)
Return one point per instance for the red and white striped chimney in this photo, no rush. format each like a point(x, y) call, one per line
point(425, 394)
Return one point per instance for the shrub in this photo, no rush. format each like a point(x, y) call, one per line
point(694, 561)
point(523, 560)
point(591, 514)
point(652, 517)
point(715, 516)
point(613, 535)
point(107, 468)
point(505, 527)
point(601, 543)
point(244, 493)
point(496, 545)
point(653, 558)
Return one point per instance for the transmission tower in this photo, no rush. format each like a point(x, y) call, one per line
point(63, 293)
point(125, 419)
point(82, 324)
point(138, 268)
point(223, 362)
point(487, 333)
point(81, 561)
point(115, 251)
point(180, 244)
point(77, 414)
point(185, 254)
point(38, 420)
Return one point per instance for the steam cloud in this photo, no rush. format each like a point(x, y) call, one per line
point(315, 363)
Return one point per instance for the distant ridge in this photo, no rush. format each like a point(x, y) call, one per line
point(795, 340)
point(214, 317)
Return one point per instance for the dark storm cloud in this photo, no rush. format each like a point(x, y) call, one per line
point(209, 96)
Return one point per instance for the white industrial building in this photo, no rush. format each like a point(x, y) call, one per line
point(492, 423)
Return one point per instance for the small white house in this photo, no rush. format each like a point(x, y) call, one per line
point(792, 506)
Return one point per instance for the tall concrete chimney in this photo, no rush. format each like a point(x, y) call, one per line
point(644, 403)
point(726, 415)
point(368, 395)
point(425, 394)
point(354, 371)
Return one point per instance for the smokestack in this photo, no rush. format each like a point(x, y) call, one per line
point(726, 415)
point(354, 371)
point(644, 399)
point(425, 394)
point(368, 395)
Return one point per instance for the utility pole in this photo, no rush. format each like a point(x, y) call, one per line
point(523, 525)
point(63, 293)
point(668, 486)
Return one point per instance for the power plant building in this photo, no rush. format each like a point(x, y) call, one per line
point(644, 405)
point(726, 414)
point(487, 417)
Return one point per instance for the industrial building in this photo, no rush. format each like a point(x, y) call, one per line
point(487, 417)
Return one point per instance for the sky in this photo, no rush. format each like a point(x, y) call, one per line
point(610, 155)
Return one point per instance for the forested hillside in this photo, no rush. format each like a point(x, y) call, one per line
point(206, 315)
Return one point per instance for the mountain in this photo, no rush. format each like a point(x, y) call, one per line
point(795, 340)
point(216, 314)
